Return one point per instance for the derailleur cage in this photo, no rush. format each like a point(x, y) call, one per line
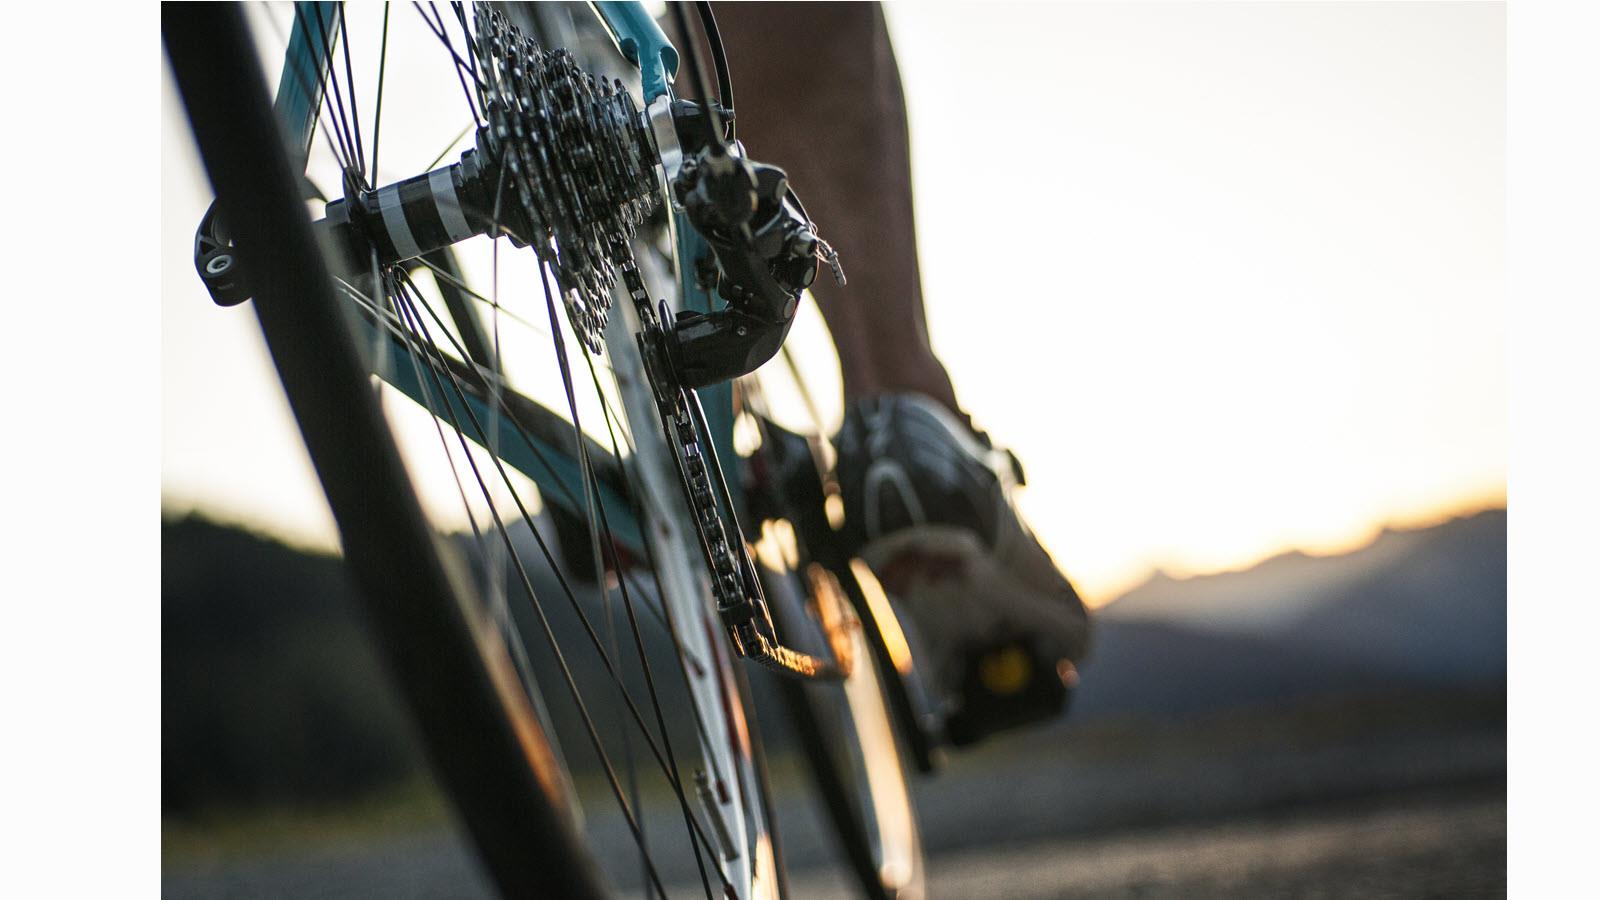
point(764, 252)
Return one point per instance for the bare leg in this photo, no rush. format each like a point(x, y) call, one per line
point(818, 94)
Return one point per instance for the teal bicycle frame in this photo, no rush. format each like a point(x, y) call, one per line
point(556, 470)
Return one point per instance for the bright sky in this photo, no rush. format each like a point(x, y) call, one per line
point(1228, 277)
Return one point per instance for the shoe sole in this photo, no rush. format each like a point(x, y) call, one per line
point(960, 595)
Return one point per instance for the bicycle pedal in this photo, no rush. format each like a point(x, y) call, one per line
point(1008, 685)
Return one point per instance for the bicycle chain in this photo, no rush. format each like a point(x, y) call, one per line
point(737, 589)
point(575, 156)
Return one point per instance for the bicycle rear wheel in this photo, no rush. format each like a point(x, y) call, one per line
point(402, 379)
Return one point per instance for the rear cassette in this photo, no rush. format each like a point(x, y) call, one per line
point(576, 163)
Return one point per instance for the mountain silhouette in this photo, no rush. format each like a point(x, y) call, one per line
point(271, 688)
point(1415, 608)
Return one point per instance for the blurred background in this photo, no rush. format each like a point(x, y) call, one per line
point(1234, 293)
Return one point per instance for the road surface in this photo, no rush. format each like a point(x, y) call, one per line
point(1435, 844)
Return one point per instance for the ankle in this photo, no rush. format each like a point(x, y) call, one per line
point(936, 388)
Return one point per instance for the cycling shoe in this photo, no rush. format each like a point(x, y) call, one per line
point(928, 506)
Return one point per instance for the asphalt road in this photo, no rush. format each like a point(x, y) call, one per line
point(1422, 846)
point(1431, 844)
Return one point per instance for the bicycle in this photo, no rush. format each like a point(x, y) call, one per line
point(704, 529)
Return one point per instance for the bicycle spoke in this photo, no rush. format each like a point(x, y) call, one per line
point(411, 341)
point(339, 118)
point(465, 130)
point(319, 91)
point(628, 813)
point(389, 324)
point(377, 111)
point(462, 69)
point(597, 506)
point(699, 719)
point(503, 618)
point(460, 10)
point(607, 662)
point(531, 325)
point(504, 408)
point(634, 489)
point(350, 78)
